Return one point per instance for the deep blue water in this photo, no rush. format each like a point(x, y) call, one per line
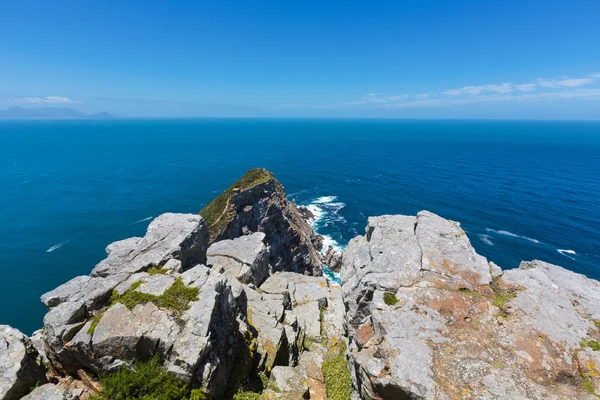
point(522, 190)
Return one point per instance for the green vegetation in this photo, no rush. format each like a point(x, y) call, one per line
point(216, 214)
point(586, 384)
point(95, 320)
point(470, 292)
point(337, 376)
point(157, 270)
point(597, 323)
point(594, 345)
point(148, 381)
point(390, 298)
point(500, 299)
point(175, 298)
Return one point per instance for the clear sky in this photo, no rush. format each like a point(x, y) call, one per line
point(419, 58)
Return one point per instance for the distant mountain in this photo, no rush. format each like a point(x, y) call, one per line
point(49, 113)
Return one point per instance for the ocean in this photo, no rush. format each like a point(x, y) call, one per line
point(522, 190)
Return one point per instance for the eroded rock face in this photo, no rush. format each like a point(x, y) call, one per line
point(264, 208)
point(20, 366)
point(429, 318)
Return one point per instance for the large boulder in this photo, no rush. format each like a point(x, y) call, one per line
point(20, 365)
point(427, 320)
point(258, 203)
point(170, 236)
point(245, 258)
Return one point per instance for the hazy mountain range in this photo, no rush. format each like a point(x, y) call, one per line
point(49, 113)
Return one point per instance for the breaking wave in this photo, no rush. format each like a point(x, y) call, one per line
point(57, 246)
point(487, 239)
point(507, 233)
point(325, 210)
point(566, 252)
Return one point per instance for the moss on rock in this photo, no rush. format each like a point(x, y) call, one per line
point(390, 298)
point(216, 213)
point(176, 298)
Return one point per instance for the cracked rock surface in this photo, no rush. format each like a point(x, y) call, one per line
point(427, 319)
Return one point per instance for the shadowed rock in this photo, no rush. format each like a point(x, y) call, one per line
point(20, 369)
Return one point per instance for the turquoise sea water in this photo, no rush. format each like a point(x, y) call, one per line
point(522, 190)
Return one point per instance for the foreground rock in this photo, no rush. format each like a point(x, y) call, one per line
point(20, 367)
point(245, 258)
point(50, 392)
point(257, 203)
point(426, 319)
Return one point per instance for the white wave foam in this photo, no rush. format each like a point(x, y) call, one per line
point(332, 276)
point(507, 233)
point(57, 246)
point(486, 239)
point(565, 252)
point(317, 214)
point(324, 199)
point(329, 241)
point(142, 220)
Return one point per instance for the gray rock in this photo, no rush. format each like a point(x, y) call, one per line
point(173, 265)
point(245, 258)
point(124, 286)
point(129, 334)
point(180, 236)
point(38, 341)
point(426, 321)
point(333, 259)
point(265, 208)
point(50, 391)
point(301, 288)
point(93, 292)
point(20, 368)
point(495, 270)
point(156, 284)
point(308, 316)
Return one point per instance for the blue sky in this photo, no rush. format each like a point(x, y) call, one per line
point(400, 59)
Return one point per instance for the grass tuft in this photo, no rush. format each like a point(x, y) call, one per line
point(593, 344)
point(390, 298)
point(157, 270)
point(500, 299)
point(337, 376)
point(176, 298)
point(216, 214)
point(95, 320)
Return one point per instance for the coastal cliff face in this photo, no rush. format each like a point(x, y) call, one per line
point(227, 306)
point(258, 203)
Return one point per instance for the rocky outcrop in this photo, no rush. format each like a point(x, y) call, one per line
point(257, 203)
point(171, 236)
point(148, 298)
point(333, 259)
point(429, 318)
point(245, 258)
point(20, 366)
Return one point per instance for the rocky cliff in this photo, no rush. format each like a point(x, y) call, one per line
point(196, 310)
point(257, 203)
point(429, 318)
